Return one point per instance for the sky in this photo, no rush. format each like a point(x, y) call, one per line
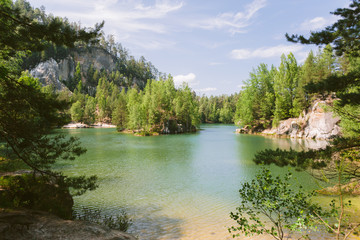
point(210, 44)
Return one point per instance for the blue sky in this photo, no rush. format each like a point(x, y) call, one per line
point(212, 45)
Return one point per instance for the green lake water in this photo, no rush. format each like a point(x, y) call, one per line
point(173, 186)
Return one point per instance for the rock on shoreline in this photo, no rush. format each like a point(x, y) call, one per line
point(83, 125)
point(26, 224)
point(314, 124)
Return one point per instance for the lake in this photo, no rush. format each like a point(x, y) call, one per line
point(173, 186)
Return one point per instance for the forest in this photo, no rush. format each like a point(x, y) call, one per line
point(269, 95)
point(277, 93)
point(135, 96)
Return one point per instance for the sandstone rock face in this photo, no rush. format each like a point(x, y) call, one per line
point(66, 69)
point(316, 124)
point(55, 73)
point(321, 124)
point(23, 225)
point(48, 73)
point(99, 58)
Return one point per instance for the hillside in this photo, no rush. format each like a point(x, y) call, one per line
point(88, 64)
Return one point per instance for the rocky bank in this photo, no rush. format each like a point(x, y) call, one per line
point(315, 123)
point(26, 224)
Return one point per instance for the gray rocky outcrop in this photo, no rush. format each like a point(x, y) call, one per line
point(98, 57)
point(23, 225)
point(55, 73)
point(316, 123)
point(49, 73)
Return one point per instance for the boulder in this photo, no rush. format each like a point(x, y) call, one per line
point(321, 124)
point(316, 123)
point(76, 125)
point(245, 130)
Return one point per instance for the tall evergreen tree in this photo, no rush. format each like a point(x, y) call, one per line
point(27, 114)
point(341, 158)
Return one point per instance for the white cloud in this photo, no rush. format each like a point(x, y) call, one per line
point(313, 24)
point(233, 22)
point(189, 79)
point(153, 44)
point(317, 23)
point(137, 23)
point(265, 52)
point(159, 10)
point(208, 89)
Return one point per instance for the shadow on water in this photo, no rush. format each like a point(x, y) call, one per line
point(148, 222)
point(174, 186)
point(154, 226)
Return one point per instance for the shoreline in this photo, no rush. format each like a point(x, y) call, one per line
point(83, 125)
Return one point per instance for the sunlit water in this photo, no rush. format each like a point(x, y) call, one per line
point(173, 186)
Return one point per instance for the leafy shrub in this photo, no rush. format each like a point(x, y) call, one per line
point(36, 192)
point(120, 222)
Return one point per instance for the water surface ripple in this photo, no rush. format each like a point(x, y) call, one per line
point(174, 186)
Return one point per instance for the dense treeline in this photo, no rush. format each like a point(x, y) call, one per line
point(133, 95)
point(158, 108)
point(161, 105)
point(217, 109)
point(273, 94)
point(97, 91)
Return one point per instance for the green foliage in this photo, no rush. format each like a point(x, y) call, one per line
point(256, 101)
point(186, 109)
point(120, 113)
point(285, 85)
point(217, 109)
point(158, 108)
point(34, 32)
point(342, 34)
point(120, 221)
point(270, 205)
point(270, 96)
point(77, 111)
point(226, 114)
point(27, 112)
point(348, 113)
point(321, 74)
point(90, 110)
point(40, 193)
point(135, 108)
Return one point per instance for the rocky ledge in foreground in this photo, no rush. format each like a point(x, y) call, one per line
point(316, 123)
point(26, 224)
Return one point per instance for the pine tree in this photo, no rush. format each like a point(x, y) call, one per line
point(341, 158)
point(27, 115)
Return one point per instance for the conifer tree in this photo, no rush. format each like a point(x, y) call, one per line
point(26, 113)
point(341, 158)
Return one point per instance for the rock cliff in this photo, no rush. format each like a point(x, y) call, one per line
point(51, 73)
point(55, 73)
point(316, 123)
